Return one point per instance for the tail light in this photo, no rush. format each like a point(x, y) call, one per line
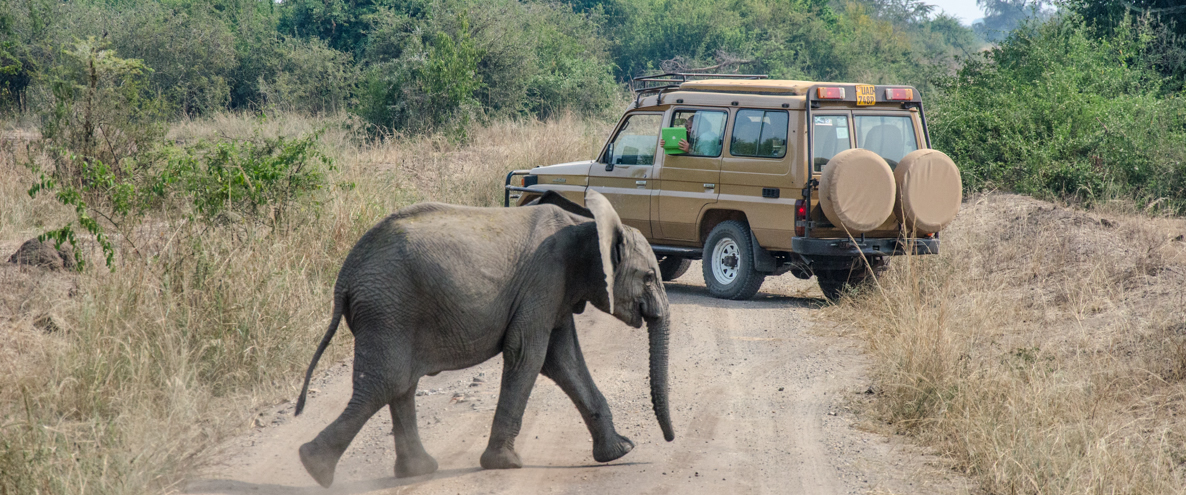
point(899, 94)
point(800, 216)
point(829, 93)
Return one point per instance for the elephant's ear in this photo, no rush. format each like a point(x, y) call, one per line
point(609, 228)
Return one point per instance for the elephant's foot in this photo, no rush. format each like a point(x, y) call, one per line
point(607, 451)
point(501, 458)
point(409, 466)
point(319, 463)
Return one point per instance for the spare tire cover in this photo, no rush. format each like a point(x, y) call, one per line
point(857, 190)
point(929, 191)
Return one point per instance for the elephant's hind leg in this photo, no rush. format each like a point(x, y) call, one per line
point(321, 455)
point(377, 378)
point(565, 365)
point(410, 457)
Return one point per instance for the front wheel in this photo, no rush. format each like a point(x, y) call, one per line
point(729, 262)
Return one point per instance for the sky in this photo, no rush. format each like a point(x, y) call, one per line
point(964, 10)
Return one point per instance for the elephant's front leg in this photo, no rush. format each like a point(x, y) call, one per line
point(523, 354)
point(410, 457)
point(565, 365)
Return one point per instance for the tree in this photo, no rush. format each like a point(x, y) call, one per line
point(1167, 22)
point(1002, 16)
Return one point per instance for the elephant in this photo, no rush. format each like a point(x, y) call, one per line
point(437, 287)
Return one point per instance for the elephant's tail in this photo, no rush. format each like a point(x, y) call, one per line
point(339, 307)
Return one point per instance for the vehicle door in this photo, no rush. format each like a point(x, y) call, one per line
point(625, 169)
point(689, 181)
point(830, 134)
point(755, 173)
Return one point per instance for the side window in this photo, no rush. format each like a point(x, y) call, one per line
point(890, 136)
point(759, 133)
point(637, 141)
point(831, 137)
point(706, 130)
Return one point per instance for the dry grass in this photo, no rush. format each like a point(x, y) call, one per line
point(1044, 350)
point(145, 368)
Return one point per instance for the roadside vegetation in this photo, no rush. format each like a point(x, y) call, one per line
point(1043, 350)
point(209, 163)
point(118, 380)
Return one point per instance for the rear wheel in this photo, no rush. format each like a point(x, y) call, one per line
point(673, 267)
point(729, 262)
point(833, 283)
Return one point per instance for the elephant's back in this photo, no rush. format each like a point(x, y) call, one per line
point(453, 251)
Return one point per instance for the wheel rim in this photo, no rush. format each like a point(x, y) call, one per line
point(725, 258)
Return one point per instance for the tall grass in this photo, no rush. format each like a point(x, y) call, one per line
point(147, 367)
point(1044, 349)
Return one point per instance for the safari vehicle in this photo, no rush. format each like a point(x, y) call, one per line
point(816, 179)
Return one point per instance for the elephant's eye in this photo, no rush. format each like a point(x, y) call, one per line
point(650, 277)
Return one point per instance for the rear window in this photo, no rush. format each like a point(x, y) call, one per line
point(759, 133)
point(831, 137)
point(890, 136)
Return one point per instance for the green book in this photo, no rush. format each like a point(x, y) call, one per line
point(671, 138)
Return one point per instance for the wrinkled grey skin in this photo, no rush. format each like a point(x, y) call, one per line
point(438, 287)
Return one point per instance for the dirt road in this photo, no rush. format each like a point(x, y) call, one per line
point(760, 401)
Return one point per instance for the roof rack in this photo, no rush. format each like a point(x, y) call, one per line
point(660, 82)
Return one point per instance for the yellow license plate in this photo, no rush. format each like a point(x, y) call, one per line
point(866, 95)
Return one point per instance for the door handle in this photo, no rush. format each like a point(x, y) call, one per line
point(710, 186)
point(640, 182)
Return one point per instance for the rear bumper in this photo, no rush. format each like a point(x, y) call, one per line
point(807, 246)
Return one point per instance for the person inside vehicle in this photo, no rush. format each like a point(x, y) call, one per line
point(702, 141)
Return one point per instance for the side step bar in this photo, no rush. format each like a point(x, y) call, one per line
point(682, 252)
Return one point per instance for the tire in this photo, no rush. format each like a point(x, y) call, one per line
point(728, 262)
point(833, 283)
point(673, 267)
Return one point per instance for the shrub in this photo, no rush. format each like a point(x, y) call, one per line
point(440, 67)
point(191, 51)
point(102, 108)
point(1057, 110)
point(249, 180)
point(308, 76)
point(430, 86)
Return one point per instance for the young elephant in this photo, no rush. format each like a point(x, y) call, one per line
point(438, 287)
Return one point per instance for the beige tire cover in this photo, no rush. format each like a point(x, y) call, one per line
point(929, 191)
point(857, 190)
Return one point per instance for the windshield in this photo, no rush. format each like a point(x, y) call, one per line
point(890, 136)
point(636, 142)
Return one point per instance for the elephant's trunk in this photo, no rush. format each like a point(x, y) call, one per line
point(657, 330)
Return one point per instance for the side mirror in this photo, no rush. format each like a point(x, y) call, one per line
point(609, 158)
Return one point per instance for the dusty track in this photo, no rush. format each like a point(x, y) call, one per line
point(759, 401)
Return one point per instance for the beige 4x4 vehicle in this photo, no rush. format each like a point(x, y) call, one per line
point(815, 179)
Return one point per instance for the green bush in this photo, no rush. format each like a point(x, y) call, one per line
point(308, 76)
point(252, 181)
point(430, 86)
point(191, 51)
point(571, 72)
point(1058, 109)
point(440, 67)
point(102, 109)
